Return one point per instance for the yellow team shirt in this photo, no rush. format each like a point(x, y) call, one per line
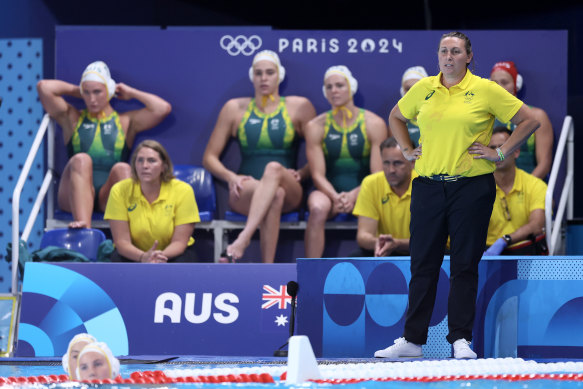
point(450, 120)
point(377, 201)
point(174, 206)
point(527, 194)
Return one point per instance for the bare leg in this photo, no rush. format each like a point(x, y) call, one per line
point(269, 232)
point(262, 198)
point(320, 207)
point(76, 192)
point(119, 171)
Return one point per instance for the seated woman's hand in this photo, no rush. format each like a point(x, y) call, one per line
point(153, 255)
point(350, 200)
point(296, 174)
point(347, 200)
point(338, 203)
point(236, 184)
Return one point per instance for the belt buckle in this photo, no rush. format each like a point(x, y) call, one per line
point(445, 178)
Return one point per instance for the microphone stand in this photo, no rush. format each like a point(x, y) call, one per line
point(292, 287)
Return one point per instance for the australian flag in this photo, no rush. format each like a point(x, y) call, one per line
point(275, 309)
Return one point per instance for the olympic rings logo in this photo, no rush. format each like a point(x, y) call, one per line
point(240, 44)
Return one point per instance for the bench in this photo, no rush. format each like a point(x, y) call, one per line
point(203, 185)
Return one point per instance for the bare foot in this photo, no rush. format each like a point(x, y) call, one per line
point(79, 224)
point(237, 248)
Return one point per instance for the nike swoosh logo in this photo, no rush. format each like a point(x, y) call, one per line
point(132, 207)
point(429, 95)
point(385, 199)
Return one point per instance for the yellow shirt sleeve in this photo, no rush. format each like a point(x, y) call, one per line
point(409, 104)
point(116, 208)
point(527, 194)
point(377, 201)
point(186, 207)
point(538, 192)
point(502, 104)
point(367, 198)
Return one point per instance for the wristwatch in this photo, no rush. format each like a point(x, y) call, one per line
point(507, 238)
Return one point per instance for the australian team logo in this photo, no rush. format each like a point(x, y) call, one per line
point(240, 44)
point(274, 124)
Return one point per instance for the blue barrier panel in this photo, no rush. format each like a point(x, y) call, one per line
point(528, 307)
point(149, 309)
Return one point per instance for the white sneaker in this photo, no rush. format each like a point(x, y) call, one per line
point(400, 349)
point(462, 350)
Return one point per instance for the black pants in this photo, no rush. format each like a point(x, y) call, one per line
point(462, 210)
point(189, 255)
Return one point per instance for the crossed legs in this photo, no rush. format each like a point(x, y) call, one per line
point(263, 202)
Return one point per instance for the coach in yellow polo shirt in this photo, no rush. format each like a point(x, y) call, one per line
point(152, 214)
point(455, 190)
point(383, 204)
point(519, 209)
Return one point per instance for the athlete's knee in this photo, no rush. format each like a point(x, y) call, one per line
point(319, 209)
point(81, 163)
point(273, 170)
point(121, 170)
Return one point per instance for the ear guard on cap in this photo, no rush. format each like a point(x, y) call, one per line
point(99, 72)
point(271, 56)
point(345, 72)
point(519, 82)
point(65, 362)
point(510, 68)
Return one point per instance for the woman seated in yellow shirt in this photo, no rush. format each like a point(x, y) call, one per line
point(152, 214)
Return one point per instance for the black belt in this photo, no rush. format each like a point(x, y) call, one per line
point(445, 177)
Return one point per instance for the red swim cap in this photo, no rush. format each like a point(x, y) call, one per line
point(508, 67)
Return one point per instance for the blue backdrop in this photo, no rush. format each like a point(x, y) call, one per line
point(198, 69)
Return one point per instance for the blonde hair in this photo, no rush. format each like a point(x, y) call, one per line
point(168, 172)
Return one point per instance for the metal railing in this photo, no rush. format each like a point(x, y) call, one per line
point(553, 229)
point(45, 126)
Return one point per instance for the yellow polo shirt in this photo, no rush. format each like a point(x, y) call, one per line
point(377, 201)
point(174, 206)
point(527, 194)
point(450, 120)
